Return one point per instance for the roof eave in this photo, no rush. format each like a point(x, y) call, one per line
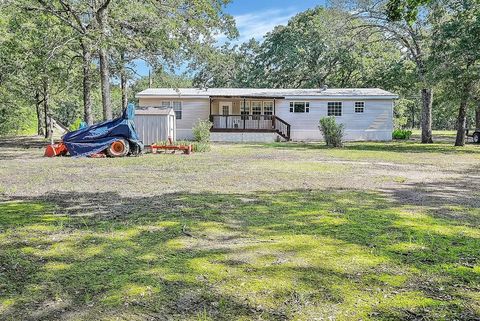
point(140, 95)
point(180, 96)
point(344, 97)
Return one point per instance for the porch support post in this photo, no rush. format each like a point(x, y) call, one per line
point(274, 106)
point(244, 108)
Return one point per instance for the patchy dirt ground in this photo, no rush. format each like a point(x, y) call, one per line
point(283, 231)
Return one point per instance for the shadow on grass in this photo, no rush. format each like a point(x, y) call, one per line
point(24, 142)
point(456, 199)
point(274, 256)
point(21, 147)
point(395, 146)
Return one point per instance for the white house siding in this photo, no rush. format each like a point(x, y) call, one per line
point(192, 111)
point(375, 123)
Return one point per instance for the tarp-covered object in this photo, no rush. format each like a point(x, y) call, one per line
point(96, 138)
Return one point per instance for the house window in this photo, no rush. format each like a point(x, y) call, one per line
point(176, 105)
point(245, 110)
point(256, 109)
point(225, 110)
point(268, 109)
point(359, 107)
point(299, 107)
point(334, 108)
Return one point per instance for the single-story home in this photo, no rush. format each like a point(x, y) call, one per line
point(248, 114)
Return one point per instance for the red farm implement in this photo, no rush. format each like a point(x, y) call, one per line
point(170, 146)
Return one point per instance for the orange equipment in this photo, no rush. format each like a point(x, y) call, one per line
point(53, 150)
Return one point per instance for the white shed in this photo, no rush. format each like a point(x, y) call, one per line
point(155, 124)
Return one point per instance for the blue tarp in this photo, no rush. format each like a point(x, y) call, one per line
point(96, 138)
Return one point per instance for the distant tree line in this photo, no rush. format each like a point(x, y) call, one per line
point(75, 59)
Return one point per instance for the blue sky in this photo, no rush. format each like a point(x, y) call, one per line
point(254, 18)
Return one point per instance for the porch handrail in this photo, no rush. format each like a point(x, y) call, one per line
point(251, 122)
point(282, 127)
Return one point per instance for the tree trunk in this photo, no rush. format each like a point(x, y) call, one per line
point(105, 84)
point(123, 82)
point(87, 84)
point(462, 117)
point(104, 67)
point(427, 96)
point(40, 119)
point(46, 109)
point(413, 117)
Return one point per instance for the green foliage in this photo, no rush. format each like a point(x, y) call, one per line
point(197, 147)
point(326, 41)
point(404, 9)
point(17, 121)
point(75, 125)
point(228, 66)
point(332, 131)
point(161, 79)
point(41, 41)
point(401, 134)
point(201, 134)
point(201, 131)
point(402, 110)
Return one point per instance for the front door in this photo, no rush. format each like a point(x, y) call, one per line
point(225, 108)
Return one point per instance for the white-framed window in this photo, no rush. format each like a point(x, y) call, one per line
point(334, 108)
point(299, 107)
point(359, 107)
point(268, 108)
point(166, 104)
point(256, 108)
point(245, 109)
point(225, 110)
point(176, 105)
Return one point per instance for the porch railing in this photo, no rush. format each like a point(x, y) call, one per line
point(251, 123)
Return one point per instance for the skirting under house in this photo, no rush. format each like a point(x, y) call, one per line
point(244, 137)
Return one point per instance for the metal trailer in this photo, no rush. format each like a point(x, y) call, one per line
point(475, 134)
point(155, 125)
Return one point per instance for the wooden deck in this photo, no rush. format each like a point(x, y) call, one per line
point(250, 123)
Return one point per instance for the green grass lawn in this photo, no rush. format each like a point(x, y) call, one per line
point(287, 231)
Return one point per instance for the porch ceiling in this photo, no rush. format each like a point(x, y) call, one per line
point(247, 97)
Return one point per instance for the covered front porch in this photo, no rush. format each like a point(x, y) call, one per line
point(247, 114)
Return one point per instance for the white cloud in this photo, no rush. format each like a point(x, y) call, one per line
point(257, 24)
